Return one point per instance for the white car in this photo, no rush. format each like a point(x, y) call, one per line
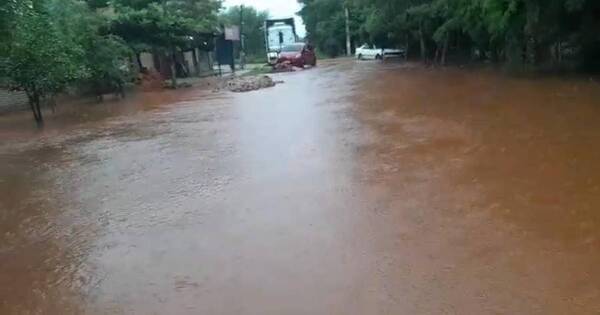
point(373, 52)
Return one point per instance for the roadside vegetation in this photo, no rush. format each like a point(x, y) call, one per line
point(522, 34)
point(49, 45)
point(252, 28)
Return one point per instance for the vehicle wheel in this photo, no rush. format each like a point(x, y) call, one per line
point(360, 57)
point(314, 63)
point(378, 57)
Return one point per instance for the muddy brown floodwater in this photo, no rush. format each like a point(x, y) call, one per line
point(353, 188)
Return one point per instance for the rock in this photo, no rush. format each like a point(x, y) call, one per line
point(252, 83)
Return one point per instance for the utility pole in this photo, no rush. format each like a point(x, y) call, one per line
point(242, 43)
point(348, 43)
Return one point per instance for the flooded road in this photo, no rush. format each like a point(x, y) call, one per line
point(353, 188)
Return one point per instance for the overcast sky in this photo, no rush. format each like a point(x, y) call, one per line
point(277, 9)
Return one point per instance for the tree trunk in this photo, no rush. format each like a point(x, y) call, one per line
point(34, 103)
point(559, 52)
point(52, 102)
point(422, 41)
point(348, 42)
point(138, 58)
point(444, 50)
point(494, 55)
point(39, 111)
point(531, 53)
point(532, 15)
point(196, 63)
point(209, 61)
point(173, 68)
point(406, 47)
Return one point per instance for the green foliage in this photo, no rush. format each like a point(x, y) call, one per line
point(325, 24)
point(107, 62)
point(519, 32)
point(252, 29)
point(53, 44)
point(38, 57)
point(48, 45)
point(163, 24)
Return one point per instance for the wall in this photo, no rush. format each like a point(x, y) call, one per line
point(12, 101)
point(147, 61)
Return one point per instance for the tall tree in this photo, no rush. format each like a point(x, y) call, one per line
point(253, 28)
point(325, 24)
point(529, 33)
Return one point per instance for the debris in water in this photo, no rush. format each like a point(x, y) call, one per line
point(246, 84)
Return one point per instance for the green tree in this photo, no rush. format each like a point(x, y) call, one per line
point(521, 33)
point(37, 57)
point(325, 24)
point(164, 26)
point(51, 44)
point(253, 29)
point(107, 60)
point(105, 56)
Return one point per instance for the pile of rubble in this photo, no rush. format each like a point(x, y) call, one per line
point(250, 83)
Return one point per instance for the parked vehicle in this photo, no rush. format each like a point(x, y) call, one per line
point(298, 54)
point(367, 51)
point(278, 33)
